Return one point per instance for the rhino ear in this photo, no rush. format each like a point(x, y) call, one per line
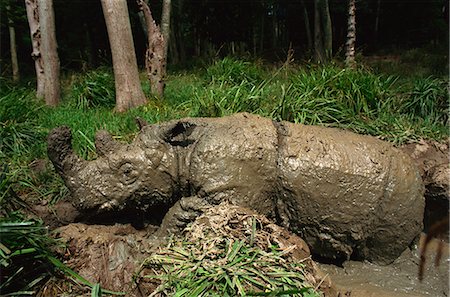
point(104, 143)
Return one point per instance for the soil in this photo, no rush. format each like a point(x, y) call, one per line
point(400, 279)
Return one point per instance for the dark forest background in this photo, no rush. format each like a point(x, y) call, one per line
point(250, 28)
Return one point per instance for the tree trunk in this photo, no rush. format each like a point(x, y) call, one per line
point(351, 35)
point(165, 25)
point(322, 31)
point(319, 55)
point(327, 30)
point(13, 47)
point(377, 22)
point(35, 33)
point(155, 61)
point(129, 92)
point(307, 26)
point(261, 35)
point(49, 52)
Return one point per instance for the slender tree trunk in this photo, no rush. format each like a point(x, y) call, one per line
point(261, 35)
point(35, 33)
point(319, 55)
point(178, 33)
point(165, 25)
point(377, 22)
point(129, 92)
point(89, 49)
point(307, 26)
point(327, 30)
point(13, 47)
point(49, 52)
point(143, 24)
point(173, 48)
point(351, 35)
point(155, 61)
point(322, 31)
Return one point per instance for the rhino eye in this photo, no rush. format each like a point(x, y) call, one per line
point(128, 174)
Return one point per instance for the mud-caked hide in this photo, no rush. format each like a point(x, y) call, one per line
point(347, 195)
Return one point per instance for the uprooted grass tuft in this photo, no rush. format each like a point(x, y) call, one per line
point(226, 269)
point(232, 251)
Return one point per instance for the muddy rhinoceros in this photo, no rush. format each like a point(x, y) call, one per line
point(347, 195)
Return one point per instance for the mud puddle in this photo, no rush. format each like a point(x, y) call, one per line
point(399, 279)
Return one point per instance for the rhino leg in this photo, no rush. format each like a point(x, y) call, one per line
point(184, 211)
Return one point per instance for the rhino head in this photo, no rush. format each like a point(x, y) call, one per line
point(125, 177)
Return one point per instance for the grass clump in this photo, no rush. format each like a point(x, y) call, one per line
point(232, 251)
point(19, 131)
point(428, 99)
point(94, 89)
point(231, 268)
point(233, 71)
point(25, 254)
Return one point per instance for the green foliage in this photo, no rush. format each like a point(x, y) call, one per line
point(94, 89)
point(428, 99)
point(230, 268)
point(24, 251)
point(333, 96)
point(233, 71)
point(19, 131)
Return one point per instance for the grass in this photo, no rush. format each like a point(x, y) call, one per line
point(391, 107)
point(230, 251)
point(230, 268)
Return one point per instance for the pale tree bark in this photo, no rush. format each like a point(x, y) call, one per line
point(49, 52)
point(35, 33)
point(155, 61)
point(351, 35)
point(165, 25)
point(13, 46)
point(129, 92)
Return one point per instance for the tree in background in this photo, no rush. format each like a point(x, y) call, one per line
point(13, 45)
point(49, 52)
point(35, 33)
point(165, 25)
point(155, 58)
point(323, 37)
point(129, 92)
point(351, 35)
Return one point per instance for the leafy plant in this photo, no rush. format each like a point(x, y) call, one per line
point(94, 88)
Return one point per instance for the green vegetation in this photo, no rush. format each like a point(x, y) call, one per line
point(226, 268)
point(397, 109)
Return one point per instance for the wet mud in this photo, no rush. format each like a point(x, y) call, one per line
point(399, 279)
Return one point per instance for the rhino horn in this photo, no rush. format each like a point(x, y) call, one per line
point(60, 152)
point(104, 143)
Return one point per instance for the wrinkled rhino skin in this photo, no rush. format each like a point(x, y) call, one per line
point(345, 194)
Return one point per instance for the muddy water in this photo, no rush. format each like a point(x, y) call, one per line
point(399, 279)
